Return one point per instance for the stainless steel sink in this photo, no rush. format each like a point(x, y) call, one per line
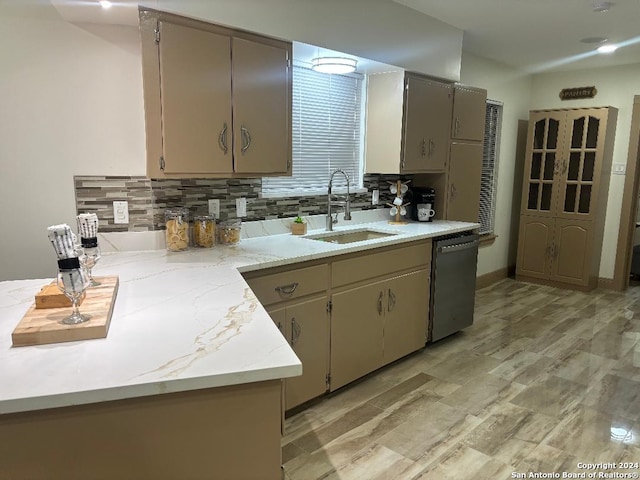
point(349, 236)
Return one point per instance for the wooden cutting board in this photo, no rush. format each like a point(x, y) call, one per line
point(41, 326)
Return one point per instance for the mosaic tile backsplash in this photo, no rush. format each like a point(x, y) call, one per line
point(149, 198)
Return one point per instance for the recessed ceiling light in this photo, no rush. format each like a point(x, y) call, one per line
point(609, 48)
point(601, 6)
point(594, 40)
point(105, 4)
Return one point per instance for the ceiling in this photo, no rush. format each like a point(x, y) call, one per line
point(534, 35)
point(541, 35)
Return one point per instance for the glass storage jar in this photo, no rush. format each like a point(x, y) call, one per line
point(204, 231)
point(229, 232)
point(177, 229)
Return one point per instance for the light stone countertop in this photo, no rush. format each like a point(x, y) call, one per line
point(181, 321)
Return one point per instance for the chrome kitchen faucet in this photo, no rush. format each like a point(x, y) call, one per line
point(347, 205)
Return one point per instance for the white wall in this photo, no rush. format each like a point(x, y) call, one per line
point(375, 29)
point(616, 87)
point(506, 85)
point(71, 105)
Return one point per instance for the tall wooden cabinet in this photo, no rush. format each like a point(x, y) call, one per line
point(462, 200)
point(564, 195)
point(217, 101)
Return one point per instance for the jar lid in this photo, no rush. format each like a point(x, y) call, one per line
point(176, 212)
point(200, 218)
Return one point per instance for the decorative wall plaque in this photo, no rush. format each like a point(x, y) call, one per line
point(578, 93)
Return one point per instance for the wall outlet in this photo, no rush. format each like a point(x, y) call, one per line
point(375, 197)
point(241, 207)
point(214, 208)
point(121, 212)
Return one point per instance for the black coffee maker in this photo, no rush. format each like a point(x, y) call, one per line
point(423, 204)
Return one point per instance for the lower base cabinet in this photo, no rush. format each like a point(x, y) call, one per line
point(375, 324)
point(305, 325)
point(350, 315)
point(556, 250)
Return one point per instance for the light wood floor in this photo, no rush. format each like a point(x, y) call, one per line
point(543, 380)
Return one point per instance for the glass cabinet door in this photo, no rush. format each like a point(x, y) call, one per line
point(546, 138)
point(579, 164)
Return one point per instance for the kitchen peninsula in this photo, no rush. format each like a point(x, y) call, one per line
point(187, 383)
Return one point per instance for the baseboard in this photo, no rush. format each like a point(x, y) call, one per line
point(494, 277)
point(607, 283)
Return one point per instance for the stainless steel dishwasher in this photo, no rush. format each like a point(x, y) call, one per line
point(453, 287)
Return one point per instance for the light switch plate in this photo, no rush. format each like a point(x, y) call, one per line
point(214, 207)
point(241, 207)
point(375, 197)
point(121, 212)
point(619, 168)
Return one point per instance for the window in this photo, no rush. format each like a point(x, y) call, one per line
point(488, 184)
point(327, 133)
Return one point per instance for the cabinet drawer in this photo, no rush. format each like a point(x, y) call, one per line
point(372, 265)
point(283, 286)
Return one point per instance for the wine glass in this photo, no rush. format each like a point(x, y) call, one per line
point(73, 282)
point(89, 256)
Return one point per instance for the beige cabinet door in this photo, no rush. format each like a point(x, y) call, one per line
point(543, 160)
point(469, 111)
point(465, 172)
point(307, 326)
point(426, 125)
point(572, 250)
point(579, 171)
point(534, 246)
point(195, 85)
point(357, 324)
point(261, 108)
point(407, 314)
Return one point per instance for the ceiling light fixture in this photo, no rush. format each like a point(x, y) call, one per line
point(339, 65)
point(608, 48)
point(593, 40)
point(602, 7)
point(105, 4)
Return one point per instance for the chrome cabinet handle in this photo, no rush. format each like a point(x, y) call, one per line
point(280, 326)
point(287, 289)
point(432, 147)
point(380, 300)
point(222, 139)
point(453, 192)
point(423, 148)
point(246, 138)
point(457, 127)
point(296, 330)
point(392, 301)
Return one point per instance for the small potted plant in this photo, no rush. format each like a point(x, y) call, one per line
point(298, 227)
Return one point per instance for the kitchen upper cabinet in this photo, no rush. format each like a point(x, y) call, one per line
point(469, 110)
point(465, 172)
point(217, 101)
point(408, 123)
point(565, 190)
point(261, 108)
point(195, 89)
point(427, 116)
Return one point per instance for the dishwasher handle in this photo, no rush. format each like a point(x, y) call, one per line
point(458, 247)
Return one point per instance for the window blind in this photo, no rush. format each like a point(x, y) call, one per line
point(327, 132)
point(488, 184)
